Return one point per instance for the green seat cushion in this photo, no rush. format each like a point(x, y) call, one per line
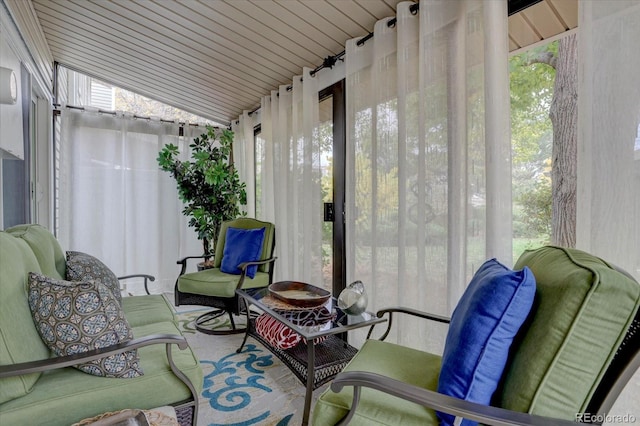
point(583, 309)
point(19, 339)
point(148, 309)
point(377, 408)
point(71, 395)
point(213, 282)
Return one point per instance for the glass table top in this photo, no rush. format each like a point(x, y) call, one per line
point(310, 323)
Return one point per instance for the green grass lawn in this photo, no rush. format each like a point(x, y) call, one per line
point(522, 244)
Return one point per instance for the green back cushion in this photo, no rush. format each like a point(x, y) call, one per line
point(583, 308)
point(148, 309)
point(44, 245)
point(19, 340)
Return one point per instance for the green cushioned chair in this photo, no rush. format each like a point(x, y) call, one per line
point(574, 354)
point(215, 288)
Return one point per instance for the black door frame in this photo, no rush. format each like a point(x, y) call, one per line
point(337, 92)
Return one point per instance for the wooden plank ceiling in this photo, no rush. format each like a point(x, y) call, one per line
point(216, 58)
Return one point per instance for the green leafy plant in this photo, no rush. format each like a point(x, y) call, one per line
point(208, 183)
point(536, 209)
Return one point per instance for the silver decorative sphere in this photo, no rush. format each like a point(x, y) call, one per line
point(353, 299)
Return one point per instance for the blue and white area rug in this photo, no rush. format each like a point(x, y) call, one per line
point(242, 389)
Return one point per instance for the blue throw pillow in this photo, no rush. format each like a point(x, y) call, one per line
point(483, 325)
point(242, 245)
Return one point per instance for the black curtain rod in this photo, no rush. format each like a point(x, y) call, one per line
point(514, 7)
point(330, 61)
point(138, 117)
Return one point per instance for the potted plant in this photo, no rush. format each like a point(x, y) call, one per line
point(208, 183)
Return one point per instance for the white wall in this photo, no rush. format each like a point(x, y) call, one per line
point(22, 44)
point(11, 145)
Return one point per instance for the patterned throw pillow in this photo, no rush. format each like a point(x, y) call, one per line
point(84, 267)
point(76, 317)
point(279, 335)
point(276, 333)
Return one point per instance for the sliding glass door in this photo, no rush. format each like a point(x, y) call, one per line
point(329, 175)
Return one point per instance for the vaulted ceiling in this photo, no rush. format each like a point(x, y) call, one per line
point(216, 58)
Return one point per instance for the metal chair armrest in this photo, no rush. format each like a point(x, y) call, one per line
point(69, 360)
point(146, 277)
point(244, 265)
point(183, 262)
point(184, 259)
point(409, 311)
point(445, 403)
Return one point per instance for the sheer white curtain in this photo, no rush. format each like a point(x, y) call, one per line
point(427, 118)
point(608, 219)
point(244, 157)
point(290, 178)
point(115, 202)
point(608, 222)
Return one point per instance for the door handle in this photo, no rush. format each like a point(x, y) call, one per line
point(329, 212)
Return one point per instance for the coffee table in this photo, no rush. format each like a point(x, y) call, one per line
point(318, 360)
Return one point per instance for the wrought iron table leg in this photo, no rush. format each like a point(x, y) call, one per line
point(311, 362)
point(246, 333)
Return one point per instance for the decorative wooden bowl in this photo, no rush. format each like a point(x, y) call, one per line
point(299, 294)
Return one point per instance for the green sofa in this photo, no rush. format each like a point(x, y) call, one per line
point(574, 354)
point(38, 389)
